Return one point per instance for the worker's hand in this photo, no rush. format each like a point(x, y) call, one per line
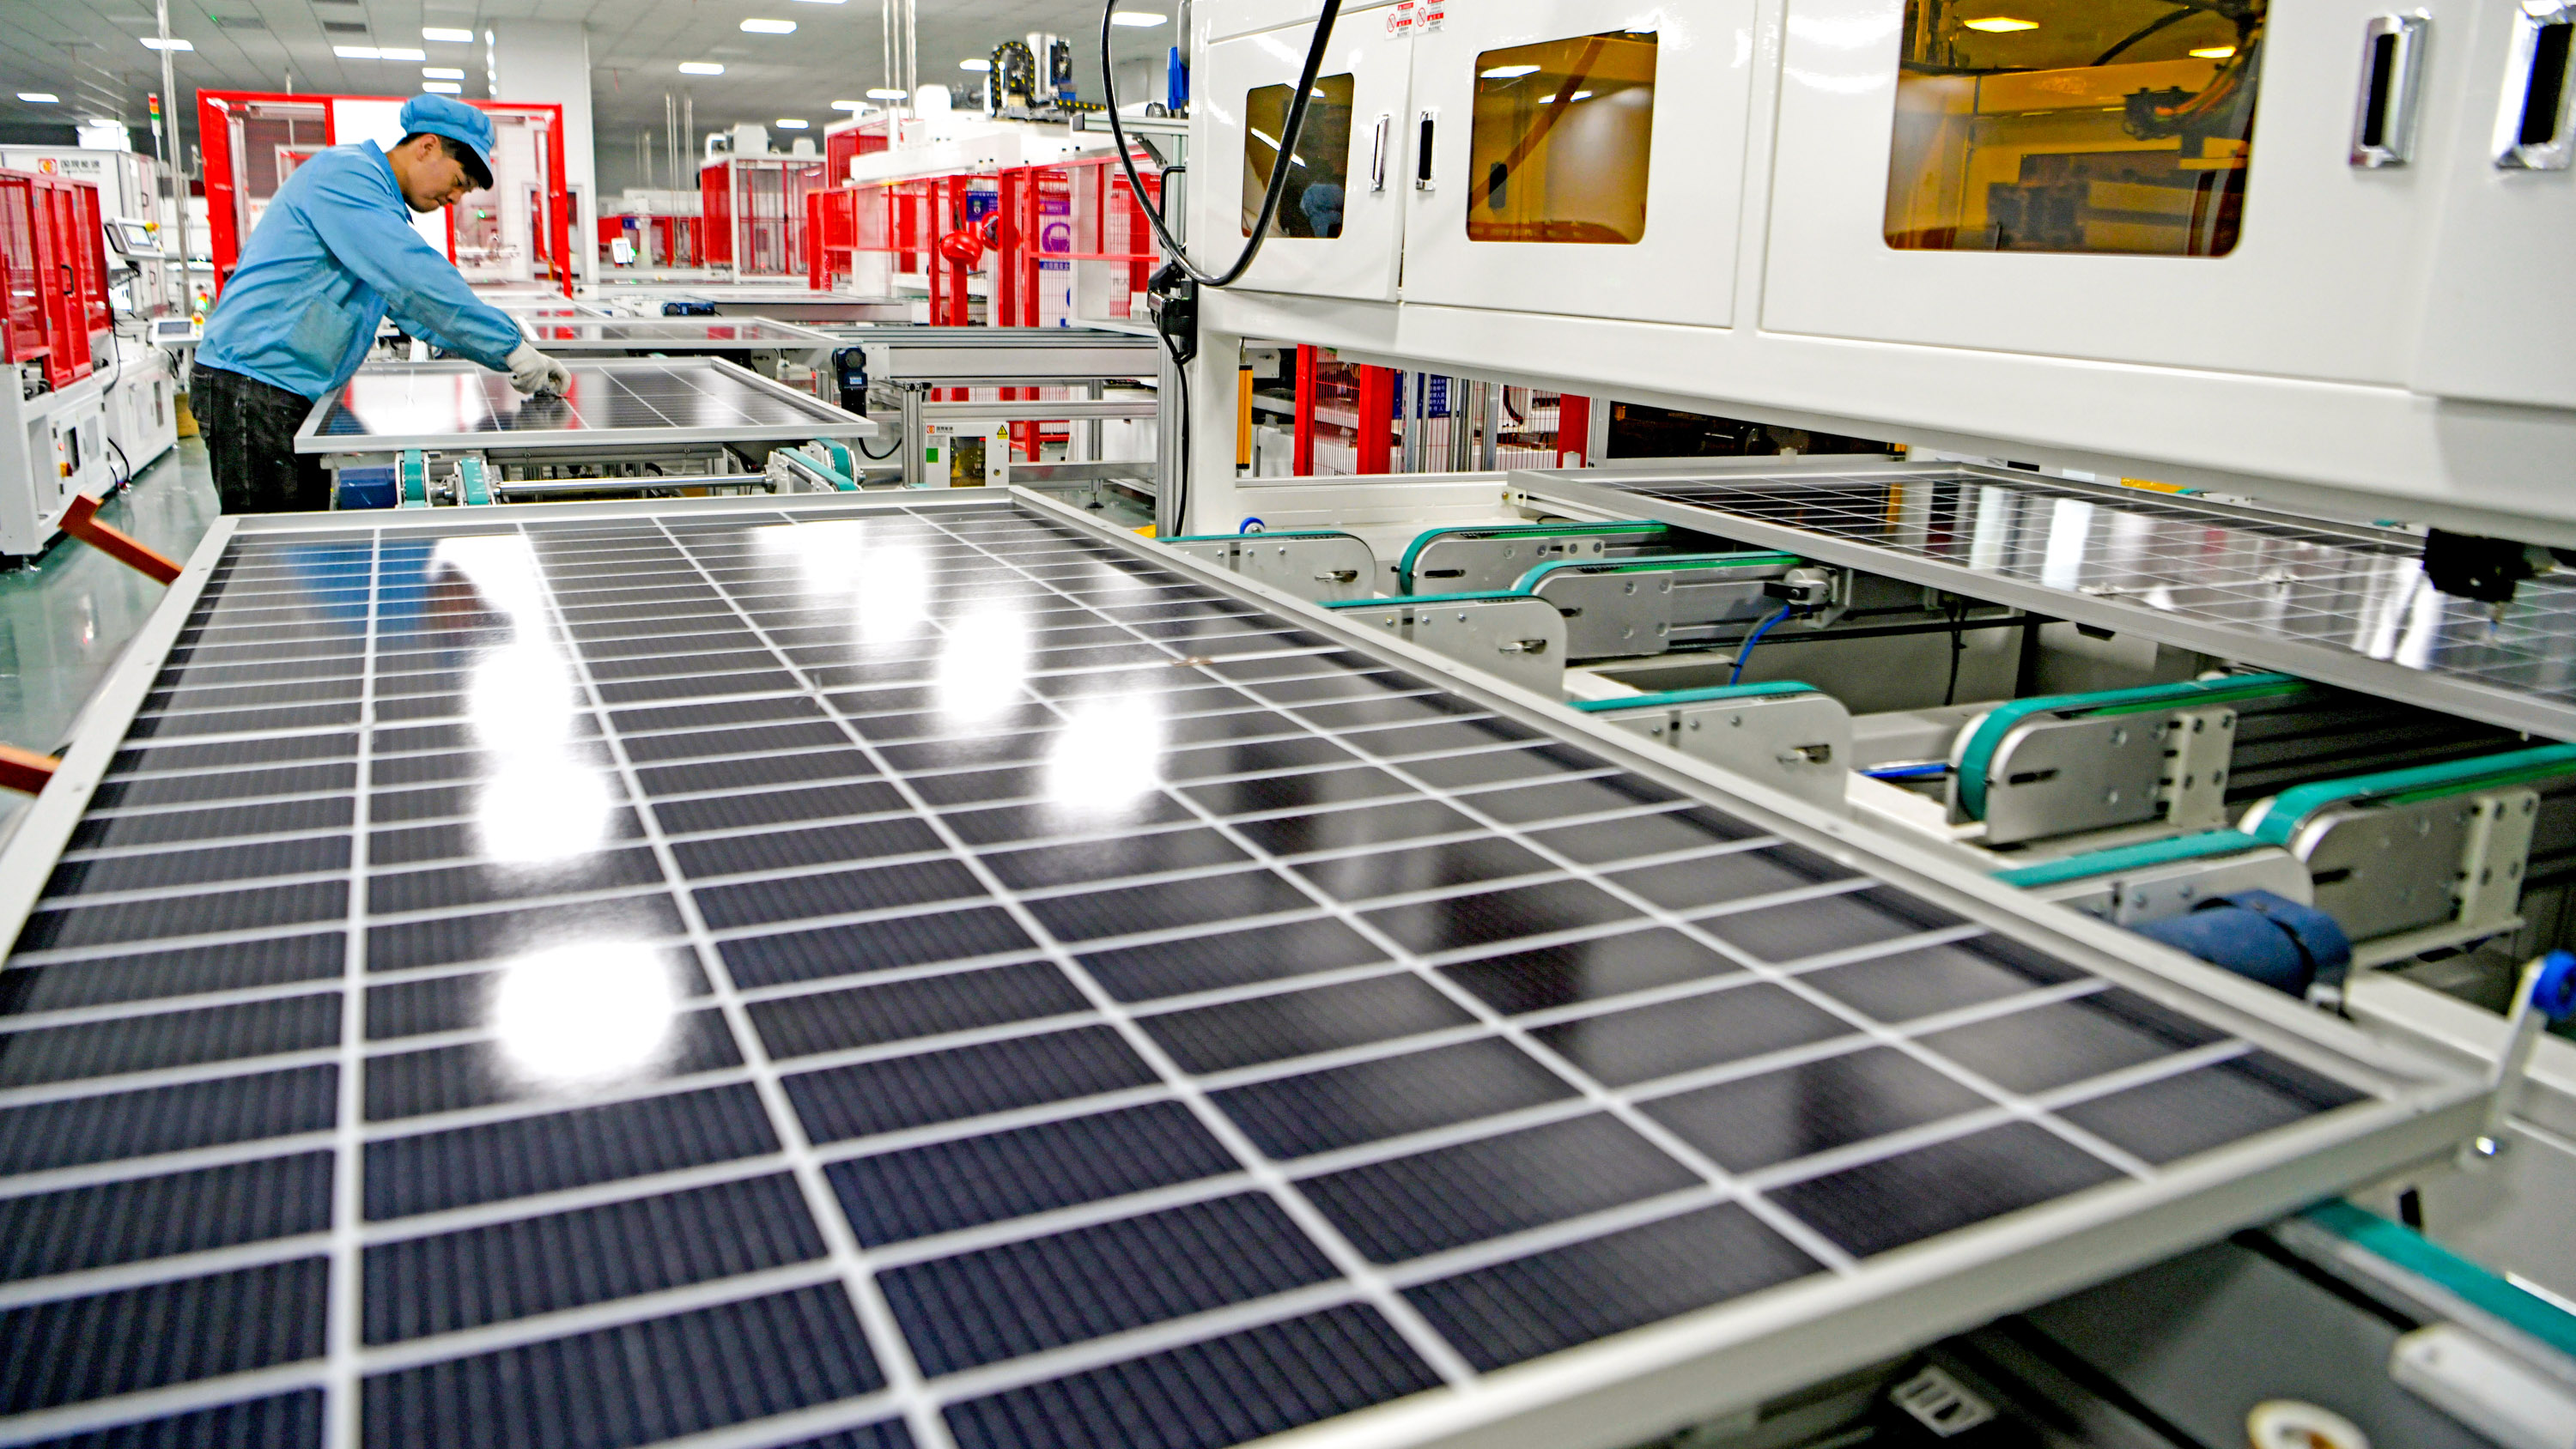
point(532, 371)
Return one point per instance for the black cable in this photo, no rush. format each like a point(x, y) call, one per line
point(1181, 450)
point(1957, 609)
point(861, 445)
point(128, 462)
point(1289, 133)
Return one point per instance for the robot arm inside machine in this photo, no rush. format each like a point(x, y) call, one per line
point(2224, 107)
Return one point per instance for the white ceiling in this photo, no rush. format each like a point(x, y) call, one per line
point(89, 52)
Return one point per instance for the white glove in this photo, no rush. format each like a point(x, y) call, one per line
point(532, 371)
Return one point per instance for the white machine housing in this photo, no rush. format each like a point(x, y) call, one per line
point(2384, 336)
point(52, 446)
point(142, 406)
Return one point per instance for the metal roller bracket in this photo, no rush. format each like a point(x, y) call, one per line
point(2056, 776)
point(1514, 637)
point(1322, 567)
point(1799, 743)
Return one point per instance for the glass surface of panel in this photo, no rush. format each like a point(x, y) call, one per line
point(2074, 125)
point(1561, 136)
point(1319, 168)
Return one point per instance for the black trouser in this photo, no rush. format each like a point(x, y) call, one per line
point(250, 438)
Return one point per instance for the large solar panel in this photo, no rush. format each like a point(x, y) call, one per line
point(936, 973)
point(2347, 605)
point(612, 403)
point(697, 334)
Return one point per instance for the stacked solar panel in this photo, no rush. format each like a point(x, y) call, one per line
point(2261, 576)
point(874, 976)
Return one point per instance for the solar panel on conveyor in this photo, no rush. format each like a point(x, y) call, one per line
point(611, 402)
point(928, 974)
point(744, 334)
point(2342, 604)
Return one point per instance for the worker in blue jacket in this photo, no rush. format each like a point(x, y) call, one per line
point(332, 255)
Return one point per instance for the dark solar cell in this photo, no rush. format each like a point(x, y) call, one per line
point(997, 1303)
point(964, 1183)
point(1452, 1196)
point(130, 1339)
point(1587, 1290)
point(465, 1279)
point(1210, 1394)
point(1896, 1200)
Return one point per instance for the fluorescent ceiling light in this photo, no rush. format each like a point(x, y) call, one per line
point(2000, 24)
point(40, 98)
point(2215, 52)
point(441, 72)
point(379, 52)
point(154, 42)
point(881, 94)
point(442, 88)
point(849, 105)
point(790, 123)
point(447, 34)
point(1140, 19)
point(1507, 72)
point(1577, 96)
point(821, 2)
point(770, 27)
point(974, 65)
point(700, 67)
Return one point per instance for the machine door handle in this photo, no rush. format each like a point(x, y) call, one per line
point(1422, 157)
point(2392, 61)
point(1377, 152)
point(2531, 131)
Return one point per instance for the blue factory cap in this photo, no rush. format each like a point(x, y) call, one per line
point(456, 120)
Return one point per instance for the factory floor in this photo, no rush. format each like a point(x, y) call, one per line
point(66, 618)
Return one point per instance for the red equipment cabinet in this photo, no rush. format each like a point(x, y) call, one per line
point(254, 140)
point(53, 255)
point(753, 209)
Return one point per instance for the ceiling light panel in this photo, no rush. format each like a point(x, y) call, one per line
point(446, 36)
point(770, 27)
point(700, 67)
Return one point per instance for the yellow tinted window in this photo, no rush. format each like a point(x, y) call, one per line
point(2074, 125)
point(1559, 147)
point(1319, 172)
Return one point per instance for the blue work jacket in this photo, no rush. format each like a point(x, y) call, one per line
point(333, 253)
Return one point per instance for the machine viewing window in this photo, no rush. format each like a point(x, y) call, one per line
point(2074, 125)
point(1559, 142)
point(1311, 203)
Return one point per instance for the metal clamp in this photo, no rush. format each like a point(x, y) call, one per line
point(2392, 64)
point(2545, 992)
point(2531, 132)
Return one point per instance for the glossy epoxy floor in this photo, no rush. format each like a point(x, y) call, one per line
point(64, 621)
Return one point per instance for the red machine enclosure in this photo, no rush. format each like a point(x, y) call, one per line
point(53, 258)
